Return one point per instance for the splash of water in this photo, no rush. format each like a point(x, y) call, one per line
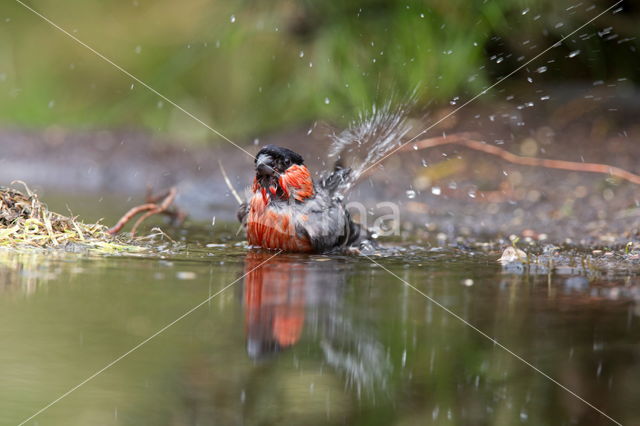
point(368, 138)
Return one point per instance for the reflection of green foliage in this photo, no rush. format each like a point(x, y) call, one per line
point(280, 63)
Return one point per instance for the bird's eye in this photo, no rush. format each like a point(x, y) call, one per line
point(287, 162)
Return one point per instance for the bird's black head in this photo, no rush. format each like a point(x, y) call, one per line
point(273, 160)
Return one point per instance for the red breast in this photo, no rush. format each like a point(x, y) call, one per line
point(274, 228)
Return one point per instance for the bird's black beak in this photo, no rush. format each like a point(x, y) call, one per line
point(264, 166)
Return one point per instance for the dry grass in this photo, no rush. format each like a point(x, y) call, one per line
point(27, 223)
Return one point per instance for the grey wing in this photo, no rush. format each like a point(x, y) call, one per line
point(243, 210)
point(328, 225)
point(338, 180)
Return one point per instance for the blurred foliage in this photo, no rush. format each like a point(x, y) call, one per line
point(252, 66)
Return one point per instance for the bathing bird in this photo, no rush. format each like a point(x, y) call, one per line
point(287, 210)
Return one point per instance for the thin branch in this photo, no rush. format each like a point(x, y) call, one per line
point(150, 208)
point(228, 182)
point(462, 139)
point(142, 219)
point(168, 200)
point(129, 215)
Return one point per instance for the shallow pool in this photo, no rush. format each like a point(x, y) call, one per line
point(214, 335)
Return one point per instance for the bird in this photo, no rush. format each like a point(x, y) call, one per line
point(287, 210)
point(275, 298)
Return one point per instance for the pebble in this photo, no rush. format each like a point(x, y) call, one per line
point(185, 275)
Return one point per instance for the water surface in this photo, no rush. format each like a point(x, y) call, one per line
point(312, 340)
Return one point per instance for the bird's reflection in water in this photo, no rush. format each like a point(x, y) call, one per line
point(274, 304)
point(291, 296)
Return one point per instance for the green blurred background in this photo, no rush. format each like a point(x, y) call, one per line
point(250, 67)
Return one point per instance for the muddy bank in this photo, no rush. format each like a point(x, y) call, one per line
point(448, 190)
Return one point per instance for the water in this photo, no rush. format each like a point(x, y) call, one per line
point(369, 139)
point(312, 340)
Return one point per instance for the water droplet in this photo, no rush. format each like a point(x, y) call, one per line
point(160, 105)
point(424, 163)
point(51, 103)
point(301, 54)
point(574, 53)
point(545, 98)
point(411, 194)
point(138, 49)
point(232, 19)
point(435, 190)
point(422, 15)
point(500, 59)
point(327, 101)
point(541, 69)
point(525, 11)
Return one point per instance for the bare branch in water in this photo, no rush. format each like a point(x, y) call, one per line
point(466, 140)
point(129, 215)
point(151, 208)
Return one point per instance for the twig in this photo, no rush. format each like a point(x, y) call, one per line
point(29, 193)
point(168, 200)
point(150, 208)
point(150, 198)
point(142, 219)
point(228, 182)
point(462, 140)
point(49, 228)
point(129, 215)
